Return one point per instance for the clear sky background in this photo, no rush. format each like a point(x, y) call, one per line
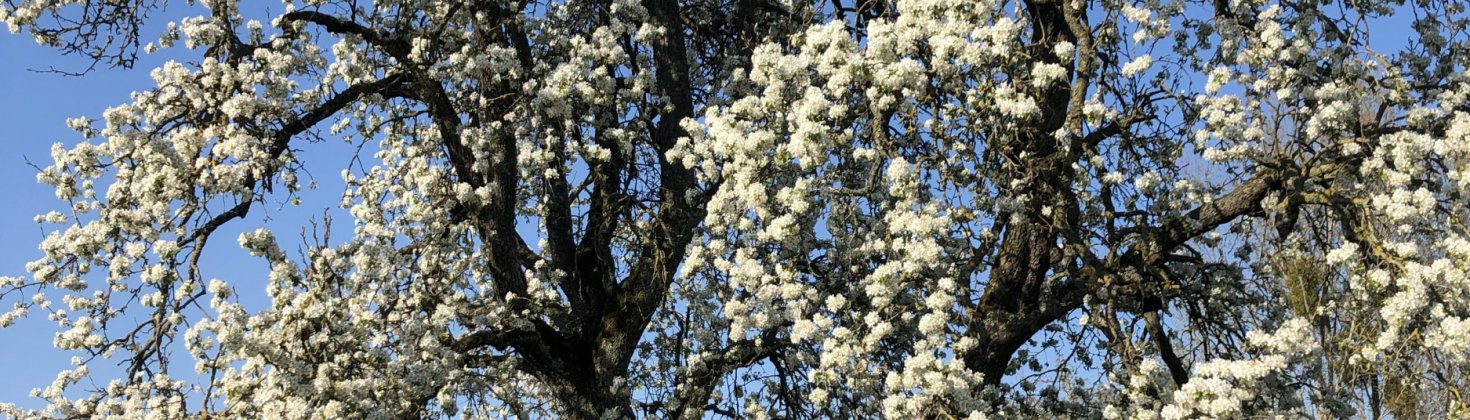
point(34, 107)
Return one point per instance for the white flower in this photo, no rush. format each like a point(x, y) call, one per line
point(1064, 50)
point(1147, 180)
point(1342, 254)
point(1138, 65)
point(1043, 74)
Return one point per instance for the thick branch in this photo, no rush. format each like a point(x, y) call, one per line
point(281, 140)
point(647, 284)
point(700, 378)
point(393, 46)
point(1177, 370)
point(1244, 199)
point(316, 115)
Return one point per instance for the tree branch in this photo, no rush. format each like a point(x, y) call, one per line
point(1244, 199)
point(395, 47)
point(1166, 348)
point(701, 377)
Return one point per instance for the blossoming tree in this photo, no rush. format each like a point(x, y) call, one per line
point(761, 208)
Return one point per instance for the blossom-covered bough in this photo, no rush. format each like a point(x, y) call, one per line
point(761, 208)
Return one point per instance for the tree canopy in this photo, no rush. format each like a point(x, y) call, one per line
point(760, 208)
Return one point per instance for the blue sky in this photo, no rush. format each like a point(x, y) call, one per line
point(34, 107)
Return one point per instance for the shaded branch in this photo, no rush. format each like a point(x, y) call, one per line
point(702, 376)
point(1244, 199)
point(1166, 348)
point(395, 47)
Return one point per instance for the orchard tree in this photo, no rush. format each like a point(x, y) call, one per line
point(762, 208)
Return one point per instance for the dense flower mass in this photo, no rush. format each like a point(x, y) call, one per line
point(1152, 209)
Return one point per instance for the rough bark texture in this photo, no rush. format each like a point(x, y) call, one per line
point(585, 356)
point(1026, 288)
